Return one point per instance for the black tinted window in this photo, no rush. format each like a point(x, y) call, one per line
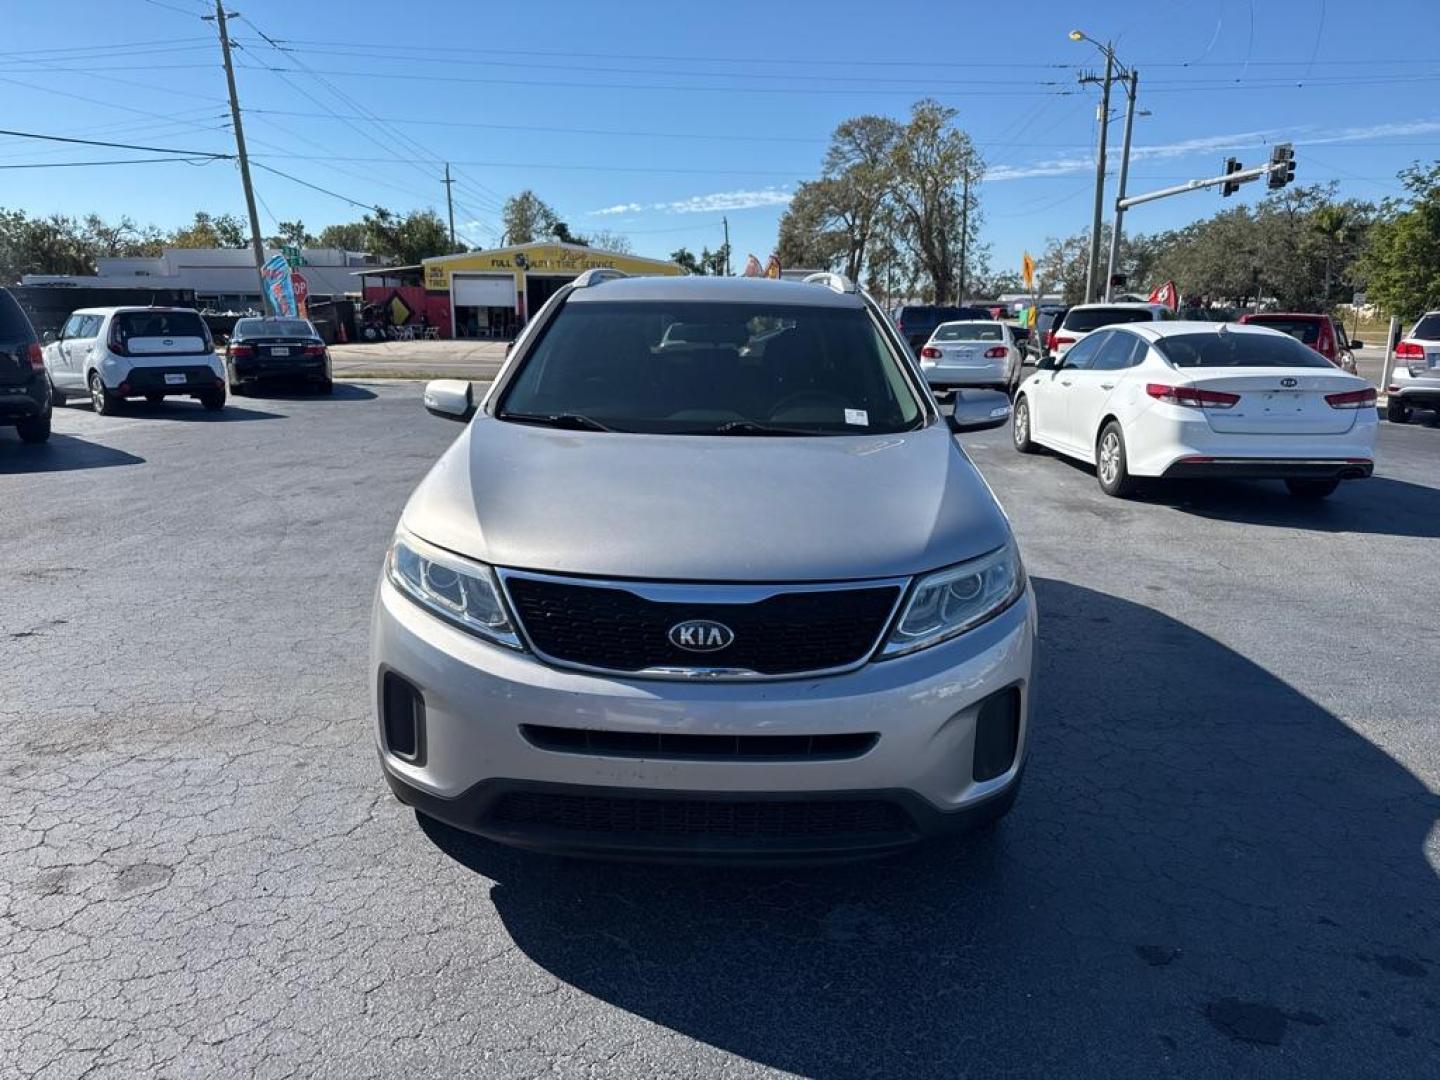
point(1427, 328)
point(14, 323)
point(135, 324)
point(1083, 321)
point(1238, 350)
point(1120, 351)
point(273, 328)
point(1306, 330)
point(805, 370)
point(1082, 354)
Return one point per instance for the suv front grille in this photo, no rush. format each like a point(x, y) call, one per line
point(788, 633)
point(734, 819)
point(682, 746)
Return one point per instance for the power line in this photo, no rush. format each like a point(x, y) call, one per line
point(114, 145)
point(570, 166)
point(316, 187)
point(171, 7)
point(207, 159)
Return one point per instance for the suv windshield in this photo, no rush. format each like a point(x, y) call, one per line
point(754, 370)
point(1083, 320)
point(1306, 330)
point(970, 332)
point(1238, 350)
point(273, 328)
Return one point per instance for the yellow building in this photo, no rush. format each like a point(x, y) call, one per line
point(491, 293)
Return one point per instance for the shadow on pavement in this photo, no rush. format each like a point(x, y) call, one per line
point(59, 453)
point(1207, 874)
point(1379, 505)
point(192, 412)
point(341, 392)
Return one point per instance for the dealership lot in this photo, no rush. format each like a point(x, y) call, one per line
point(1224, 858)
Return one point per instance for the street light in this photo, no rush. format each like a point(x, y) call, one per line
point(1131, 78)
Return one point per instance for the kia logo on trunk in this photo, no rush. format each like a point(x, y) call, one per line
point(701, 635)
point(1289, 382)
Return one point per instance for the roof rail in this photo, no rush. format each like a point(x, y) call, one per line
point(835, 282)
point(595, 275)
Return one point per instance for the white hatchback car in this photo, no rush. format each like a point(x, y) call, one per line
point(1415, 379)
point(115, 353)
point(981, 353)
point(1199, 399)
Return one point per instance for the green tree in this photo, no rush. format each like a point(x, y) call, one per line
point(609, 241)
point(292, 233)
point(352, 236)
point(1402, 264)
point(207, 231)
point(708, 262)
point(809, 235)
point(418, 235)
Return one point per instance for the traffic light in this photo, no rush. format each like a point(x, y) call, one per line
point(1232, 165)
point(1282, 165)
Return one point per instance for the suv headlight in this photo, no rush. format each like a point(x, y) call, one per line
point(458, 590)
point(950, 602)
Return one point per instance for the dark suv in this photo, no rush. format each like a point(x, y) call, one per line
point(24, 386)
point(916, 322)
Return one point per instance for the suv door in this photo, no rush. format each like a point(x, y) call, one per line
point(1050, 403)
point(57, 355)
point(81, 348)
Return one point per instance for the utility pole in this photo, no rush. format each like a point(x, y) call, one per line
point(964, 230)
point(1093, 268)
point(725, 221)
point(1132, 85)
point(450, 205)
point(256, 242)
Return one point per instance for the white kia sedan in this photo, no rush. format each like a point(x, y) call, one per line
point(978, 353)
point(1198, 399)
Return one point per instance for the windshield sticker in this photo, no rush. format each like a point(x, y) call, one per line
point(858, 417)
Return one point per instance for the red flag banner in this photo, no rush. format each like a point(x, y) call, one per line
point(753, 267)
point(1166, 294)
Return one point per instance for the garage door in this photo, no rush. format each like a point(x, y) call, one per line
point(490, 290)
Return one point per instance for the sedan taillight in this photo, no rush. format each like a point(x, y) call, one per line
point(1192, 396)
point(36, 356)
point(241, 352)
point(1408, 350)
point(314, 350)
point(1352, 399)
point(929, 352)
point(997, 353)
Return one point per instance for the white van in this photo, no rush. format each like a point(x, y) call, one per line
point(116, 353)
point(1085, 319)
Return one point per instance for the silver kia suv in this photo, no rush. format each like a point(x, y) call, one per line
point(728, 592)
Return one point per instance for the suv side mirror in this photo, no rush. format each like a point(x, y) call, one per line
point(978, 410)
point(1357, 344)
point(1047, 363)
point(450, 399)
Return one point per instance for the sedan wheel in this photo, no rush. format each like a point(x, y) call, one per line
point(1110, 463)
point(1020, 426)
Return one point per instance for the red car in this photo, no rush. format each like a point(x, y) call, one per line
point(1320, 332)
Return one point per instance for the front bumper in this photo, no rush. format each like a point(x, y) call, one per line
point(471, 766)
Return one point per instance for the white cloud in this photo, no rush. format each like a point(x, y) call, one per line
point(1238, 141)
point(709, 203)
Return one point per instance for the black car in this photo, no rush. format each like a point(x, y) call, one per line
point(24, 386)
point(916, 322)
point(276, 350)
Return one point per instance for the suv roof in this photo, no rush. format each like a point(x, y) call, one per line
point(1130, 304)
point(697, 289)
point(126, 309)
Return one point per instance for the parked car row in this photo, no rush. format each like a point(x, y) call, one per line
point(114, 354)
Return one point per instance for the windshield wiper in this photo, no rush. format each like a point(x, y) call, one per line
point(576, 421)
point(750, 427)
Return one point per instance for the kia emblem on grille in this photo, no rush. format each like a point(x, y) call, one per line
point(1289, 382)
point(701, 635)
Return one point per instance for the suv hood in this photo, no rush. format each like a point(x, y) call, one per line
point(706, 508)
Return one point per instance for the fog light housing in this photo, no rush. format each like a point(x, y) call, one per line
point(997, 734)
point(402, 717)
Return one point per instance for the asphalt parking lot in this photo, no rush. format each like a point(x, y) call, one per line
point(1223, 863)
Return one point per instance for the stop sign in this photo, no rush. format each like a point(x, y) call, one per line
point(301, 288)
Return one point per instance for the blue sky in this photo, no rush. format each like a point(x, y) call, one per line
point(655, 119)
